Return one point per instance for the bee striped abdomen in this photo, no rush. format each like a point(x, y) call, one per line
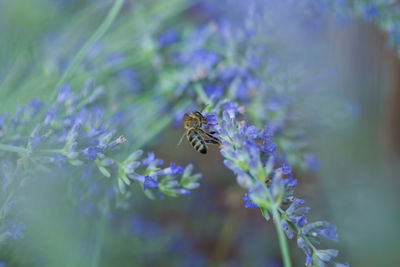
point(197, 141)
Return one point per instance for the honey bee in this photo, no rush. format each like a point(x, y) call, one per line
point(197, 133)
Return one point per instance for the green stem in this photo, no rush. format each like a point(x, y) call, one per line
point(101, 30)
point(13, 149)
point(99, 240)
point(282, 238)
point(51, 151)
point(23, 150)
point(5, 203)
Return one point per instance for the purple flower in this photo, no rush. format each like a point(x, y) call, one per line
point(231, 108)
point(230, 164)
point(321, 228)
point(173, 170)
point(92, 151)
point(327, 254)
point(312, 162)
point(183, 191)
point(149, 182)
point(35, 105)
point(151, 159)
point(299, 220)
point(286, 168)
point(288, 231)
point(167, 38)
point(34, 139)
point(269, 147)
point(115, 58)
point(267, 133)
point(214, 91)
point(95, 49)
point(50, 115)
point(308, 260)
point(227, 75)
point(96, 131)
point(291, 181)
point(16, 230)
point(251, 131)
point(200, 58)
point(253, 61)
point(248, 203)
point(295, 204)
point(306, 249)
point(64, 93)
point(371, 11)
point(130, 78)
point(211, 119)
point(251, 155)
point(58, 160)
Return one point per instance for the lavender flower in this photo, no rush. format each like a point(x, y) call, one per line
point(371, 11)
point(74, 133)
point(269, 185)
point(168, 38)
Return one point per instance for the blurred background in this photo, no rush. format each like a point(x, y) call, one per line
point(346, 107)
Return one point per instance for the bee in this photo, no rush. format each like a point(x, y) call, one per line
point(197, 133)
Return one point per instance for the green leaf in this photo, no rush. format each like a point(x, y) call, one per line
point(191, 186)
point(104, 171)
point(121, 187)
point(122, 175)
point(167, 191)
point(149, 194)
point(167, 184)
point(265, 213)
point(187, 172)
point(191, 179)
point(134, 156)
point(75, 162)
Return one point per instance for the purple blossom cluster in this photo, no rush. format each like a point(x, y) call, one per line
point(244, 72)
point(252, 155)
point(74, 132)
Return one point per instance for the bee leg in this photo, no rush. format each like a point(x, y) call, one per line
point(199, 114)
point(210, 136)
point(180, 140)
point(213, 142)
point(214, 138)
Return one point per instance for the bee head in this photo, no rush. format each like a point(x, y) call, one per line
point(192, 121)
